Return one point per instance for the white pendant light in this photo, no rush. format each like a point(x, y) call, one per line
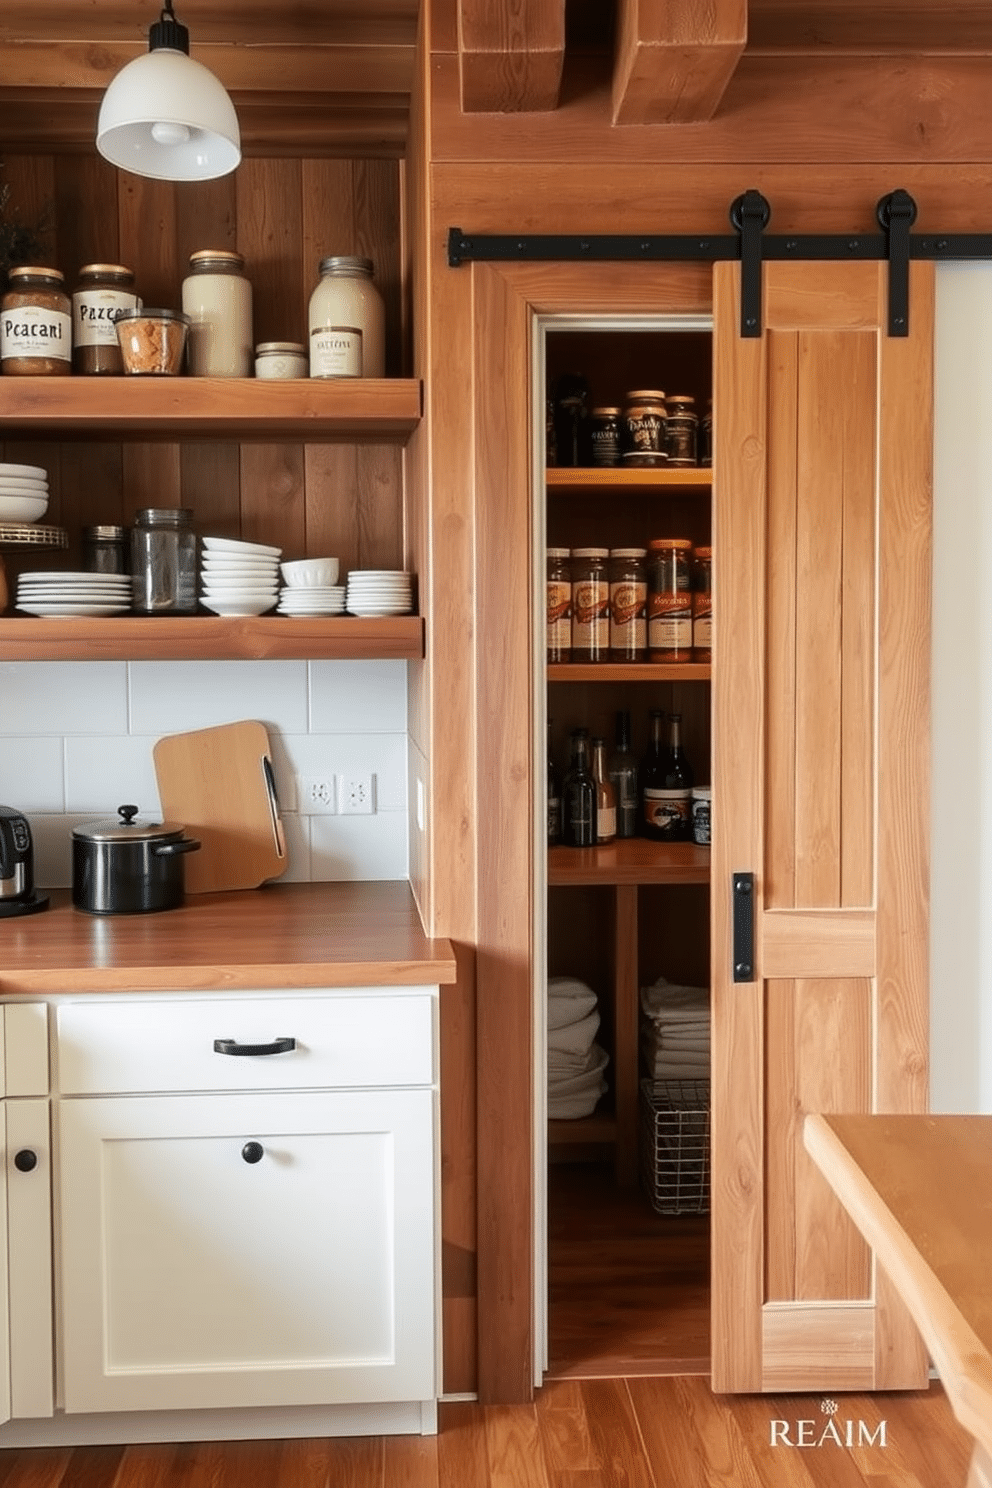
point(166, 116)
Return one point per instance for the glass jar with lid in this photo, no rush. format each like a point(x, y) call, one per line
point(645, 436)
point(559, 606)
point(682, 430)
point(628, 604)
point(702, 605)
point(101, 293)
point(217, 298)
point(278, 361)
point(105, 549)
point(590, 604)
point(163, 562)
point(669, 600)
point(35, 323)
point(347, 321)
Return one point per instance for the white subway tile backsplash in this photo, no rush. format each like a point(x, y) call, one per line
point(32, 774)
point(357, 847)
point(104, 773)
point(173, 697)
point(351, 696)
point(54, 697)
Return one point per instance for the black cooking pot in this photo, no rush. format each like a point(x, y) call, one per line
point(127, 866)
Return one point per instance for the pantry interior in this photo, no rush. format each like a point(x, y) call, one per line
point(626, 1260)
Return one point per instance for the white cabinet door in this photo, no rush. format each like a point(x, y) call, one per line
point(194, 1277)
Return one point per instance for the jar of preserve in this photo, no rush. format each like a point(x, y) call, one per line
point(702, 605)
point(105, 549)
point(645, 438)
point(347, 321)
point(559, 606)
point(35, 324)
point(102, 292)
point(706, 435)
point(590, 604)
point(683, 430)
point(277, 361)
point(217, 298)
point(628, 604)
point(604, 434)
point(163, 562)
point(701, 808)
point(669, 600)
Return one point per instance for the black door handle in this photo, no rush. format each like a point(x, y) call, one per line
point(743, 900)
point(231, 1046)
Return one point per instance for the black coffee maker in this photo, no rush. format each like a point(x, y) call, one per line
point(18, 895)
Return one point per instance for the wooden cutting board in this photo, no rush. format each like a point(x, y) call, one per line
point(217, 783)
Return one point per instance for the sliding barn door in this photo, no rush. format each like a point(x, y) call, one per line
point(820, 773)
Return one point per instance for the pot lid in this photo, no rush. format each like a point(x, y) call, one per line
point(126, 829)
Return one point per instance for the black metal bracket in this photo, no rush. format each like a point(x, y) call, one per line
point(750, 244)
point(742, 888)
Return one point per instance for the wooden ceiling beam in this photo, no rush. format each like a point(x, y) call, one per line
point(673, 59)
point(510, 55)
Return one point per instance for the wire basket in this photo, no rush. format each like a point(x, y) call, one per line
point(675, 1145)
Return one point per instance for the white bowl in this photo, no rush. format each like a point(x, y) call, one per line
point(305, 573)
point(237, 548)
point(23, 485)
point(22, 508)
point(37, 471)
point(243, 606)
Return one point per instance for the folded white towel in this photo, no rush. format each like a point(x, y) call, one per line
point(677, 1046)
point(568, 1001)
point(573, 1107)
point(668, 1002)
point(574, 1038)
point(679, 1069)
point(563, 1081)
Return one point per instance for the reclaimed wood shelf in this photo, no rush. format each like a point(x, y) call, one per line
point(212, 638)
point(633, 671)
point(587, 478)
point(353, 410)
point(631, 860)
point(584, 1129)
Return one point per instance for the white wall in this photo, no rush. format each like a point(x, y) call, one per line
point(961, 885)
point(76, 742)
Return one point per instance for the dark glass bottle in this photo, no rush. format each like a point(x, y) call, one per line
point(578, 795)
point(623, 778)
point(666, 783)
point(554, 797)
point(573, 438)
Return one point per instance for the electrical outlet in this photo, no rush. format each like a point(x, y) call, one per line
point(315, 795)
point(356, 795)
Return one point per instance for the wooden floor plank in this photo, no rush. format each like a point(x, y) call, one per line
point(690, 1435)
point(410, 1462)
point(564, 1432)
point(616, 1439)
point(513, 1446)
point(461, 1446)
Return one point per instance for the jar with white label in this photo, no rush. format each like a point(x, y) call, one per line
point(35, 324)
point(103, 291)
point(279, 361)
point(347, 321)
point(217, 298)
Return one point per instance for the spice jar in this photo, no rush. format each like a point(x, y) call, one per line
point(669, 600)
point(628, 604)
point(604, 433)
point(217, 298)
point(590, 604)
point(347, 321)
point(105, 549)
point(163, 562)
point(645, 440)
point(35, 324)
point(103, 291)
point(702, 605)
point(559, 606)
point(682, 427)
point(276, 361)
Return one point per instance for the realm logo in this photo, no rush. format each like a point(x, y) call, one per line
point(833, 1432)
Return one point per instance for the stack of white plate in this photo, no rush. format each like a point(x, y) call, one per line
point(23, 493)
point(379, 591)
point(315, 599)
point(238, 578)
point(58, 595)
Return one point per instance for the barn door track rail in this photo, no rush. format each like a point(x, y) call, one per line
point(749, 243)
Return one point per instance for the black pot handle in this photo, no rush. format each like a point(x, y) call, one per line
point(170, 849)
point(231, 1046)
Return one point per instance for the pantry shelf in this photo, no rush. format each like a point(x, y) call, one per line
point(209, 638)
point(635, 671)
point(632, 860)
point(586, 478)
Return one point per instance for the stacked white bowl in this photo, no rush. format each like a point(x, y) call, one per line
point(238, 578)
point(379, 591)
point(23, 493)
point(310, 587)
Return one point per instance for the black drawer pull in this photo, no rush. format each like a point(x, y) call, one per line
point(743, 909)
point(231, 1046)
point(253, 1152)
point(25, 1161)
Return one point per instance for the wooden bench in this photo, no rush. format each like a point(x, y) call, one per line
point(919, 1188)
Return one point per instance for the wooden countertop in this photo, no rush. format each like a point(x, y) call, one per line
point(919, 1188)
point(281, 935)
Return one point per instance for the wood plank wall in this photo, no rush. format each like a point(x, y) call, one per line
point(283, 216)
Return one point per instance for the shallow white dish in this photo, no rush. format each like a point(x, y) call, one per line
point(238, 581)
point(62, 611)
point(38, 471)
point(238, 560)
point(21, 485)
point(380, 573)
point(22, 508)
point(234, 545)
point(65, 575)
point(71, 596)
point(238, 606)
point(319, 607)
point(370, 612)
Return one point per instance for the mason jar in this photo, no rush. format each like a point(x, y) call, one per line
point(347, 321)
point(218, 300)
point(163, 562)
point(101, 293)
point(35, 324)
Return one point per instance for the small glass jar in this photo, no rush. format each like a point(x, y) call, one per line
point(559, 606)
point(645, 437)
point(706, 435)
point(669, 600)
point(35, 324)
point(682, 428)
point(103, 291)
point(217, 298)
point(277, 361)
point(702, 605)
point(347, 321)
point(628, 604)
point(163, 562)
point(604, 434)
point(590, 604)
point(702, 805)
point(105, 550)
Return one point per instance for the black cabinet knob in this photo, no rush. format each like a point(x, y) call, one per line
point(25, 1161)
point(253, 1152)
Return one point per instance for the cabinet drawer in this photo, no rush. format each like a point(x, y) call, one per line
point(339, 1040)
